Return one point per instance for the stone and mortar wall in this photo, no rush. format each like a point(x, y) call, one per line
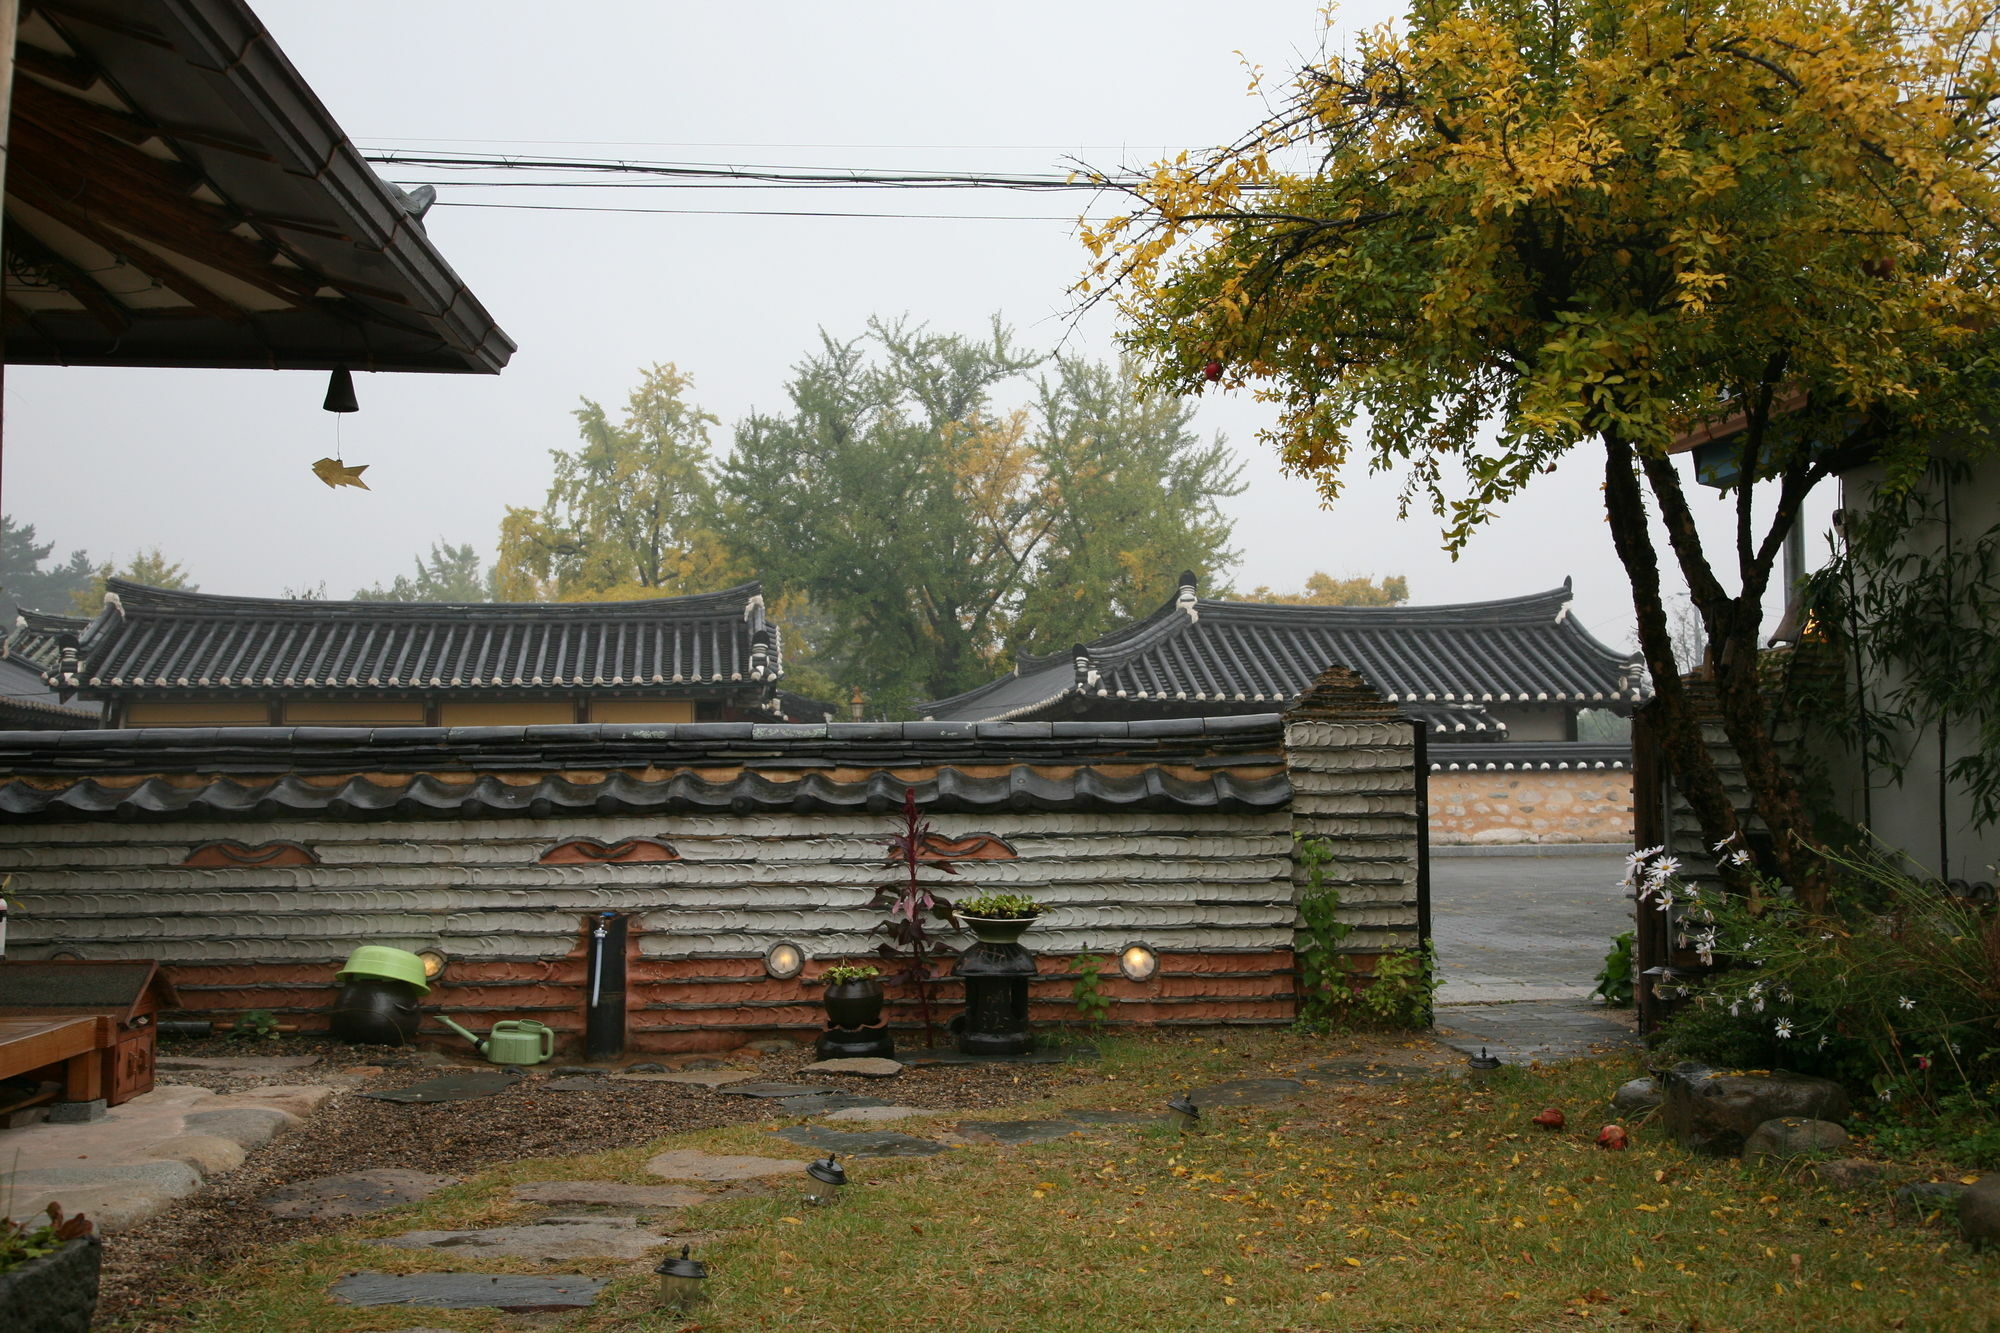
point(1531, 806)
point(1354, 788)
point(1210, 892)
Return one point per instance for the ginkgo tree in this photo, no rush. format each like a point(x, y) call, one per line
point(1502, 232)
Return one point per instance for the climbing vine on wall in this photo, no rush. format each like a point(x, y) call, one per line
point(1333, 993)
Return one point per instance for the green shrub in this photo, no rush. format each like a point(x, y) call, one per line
point(1614, 983)
point(1088, 991)
point(840, 973)
point(1001, 906)
point(1335, 995)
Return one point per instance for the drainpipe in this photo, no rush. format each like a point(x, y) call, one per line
point(604, 1013)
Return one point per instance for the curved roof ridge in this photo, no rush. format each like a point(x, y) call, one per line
point(140, 597)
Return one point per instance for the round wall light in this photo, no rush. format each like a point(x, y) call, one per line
point(434, 961)
point(1138, 963)
point(784, 961)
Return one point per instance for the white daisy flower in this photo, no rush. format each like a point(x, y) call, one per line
point(1783, 1028)
point(1905, 1002)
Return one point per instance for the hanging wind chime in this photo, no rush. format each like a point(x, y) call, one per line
point(340, 399)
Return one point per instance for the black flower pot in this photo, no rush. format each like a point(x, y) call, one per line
point(56, 1293)
point(853, 1004)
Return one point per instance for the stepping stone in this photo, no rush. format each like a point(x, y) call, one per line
point(875, 1115)
point(699, 1078)
point(461, 1087)
point(1017, 1131)
point(865, 1066)
point(608, 1193)
point(761, 1089)
point(247, 1125)
point(356, 1194)
point(820, 1102)
point(949, 1055)
point(237, 1064)
point(470, 1291)
point(1247, 1092)
point(1117, 1117)
point(550, 1241)
point(875, 1143)
point(1361, 1071)
point(694, 1164)
point(572, 1085)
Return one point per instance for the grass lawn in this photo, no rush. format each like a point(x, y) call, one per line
point(1420, 1205)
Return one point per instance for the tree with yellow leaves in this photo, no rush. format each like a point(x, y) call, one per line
point(1323, 589)
point(631, 514)
point(1503, 231)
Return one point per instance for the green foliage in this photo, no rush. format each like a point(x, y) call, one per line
point(20, 1243)
point(1087, 991)
point(1614, 982)
point(256, 1025)
point(1894, 990)
point(842, 972)
point(946, 525)
point(1002, 906)
point(1322, 589)
point(151, 568)
point(1336, 996)
point(25, 584)
point(449, 574)
point(630, 514)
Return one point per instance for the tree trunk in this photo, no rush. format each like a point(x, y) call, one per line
point(1680, 729)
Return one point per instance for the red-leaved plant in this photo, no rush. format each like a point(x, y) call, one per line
point(912, 906)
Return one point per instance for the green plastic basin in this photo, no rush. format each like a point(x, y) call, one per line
point(379, 960)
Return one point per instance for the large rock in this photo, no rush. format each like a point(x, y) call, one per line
point(1716, 1111)
point(1793, 1136)
point(1637, 1096)
point(862, 1066)
point(209, 1154)
point(1850, 1173)
point(1979, 1211)
point(1928, 1200)
point(247, 1125)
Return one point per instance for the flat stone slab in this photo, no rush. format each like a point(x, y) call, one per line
point(876, 1143)
point(608, 1193)
point(237, 1064)
point(951, 1055)
point(819, 1103)
point(862, 1066)
point(1118, 1117)
point(761, 1089)
point(551, 1241)
point(247, 1125)
point(694, 1164)
point(461, 1087)
point(700, 1078)
point(876, 1115)
point(1363, 1071)
point(1017, 1131)
point(470, 1291)
point(1247, 1092)
point(578, 1084)
point(356, 1194)
point(1534, 1030)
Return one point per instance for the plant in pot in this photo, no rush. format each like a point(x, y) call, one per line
point(48, 1274)
point(853, 996)
point(997, 918)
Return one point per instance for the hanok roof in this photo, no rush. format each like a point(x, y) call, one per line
point(154, 641)
point(177, 196)
point(26, 655)
point(38, 637)
point(1515, 650)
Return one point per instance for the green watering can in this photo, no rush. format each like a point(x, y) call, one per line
point(517, 1041)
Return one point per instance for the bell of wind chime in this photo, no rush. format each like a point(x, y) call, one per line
point(340, 398)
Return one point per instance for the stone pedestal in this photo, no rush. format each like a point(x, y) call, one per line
point(856, 1043)
point(996, 999)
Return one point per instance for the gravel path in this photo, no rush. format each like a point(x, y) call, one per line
point(151, 1270)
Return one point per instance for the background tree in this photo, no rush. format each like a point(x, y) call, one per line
point(1322, 589)
point(1513, 228)
point(151, 568)
point(25, 582)
point(1132, 495)
point(928, 526)
point(449, 574)
point(630, 514)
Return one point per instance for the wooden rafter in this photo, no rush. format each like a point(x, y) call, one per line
point(134, 253)
point(77, 283)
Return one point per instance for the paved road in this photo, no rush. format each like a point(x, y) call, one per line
point(1512, 927)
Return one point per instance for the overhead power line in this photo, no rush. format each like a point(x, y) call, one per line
point(765, 212)
point(708, 173)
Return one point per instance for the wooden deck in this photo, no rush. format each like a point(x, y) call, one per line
point(30, 1044)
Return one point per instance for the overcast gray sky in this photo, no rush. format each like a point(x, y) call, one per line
point(213, 466)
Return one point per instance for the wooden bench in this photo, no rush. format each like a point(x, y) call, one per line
point(125, 996)
point(68, 1049)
